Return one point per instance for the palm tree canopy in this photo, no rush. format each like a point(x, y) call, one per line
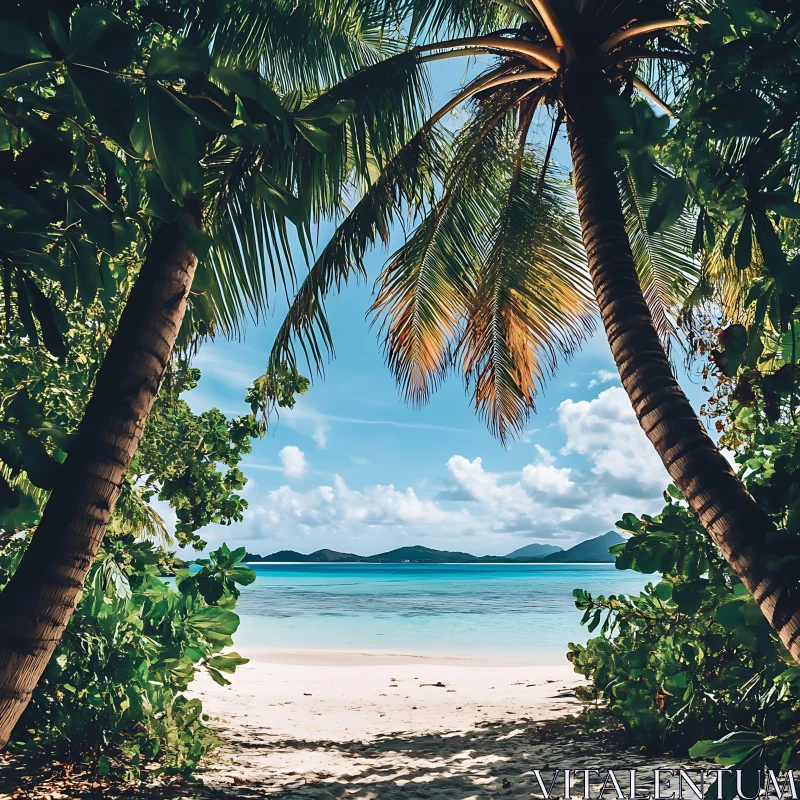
point(492, 280)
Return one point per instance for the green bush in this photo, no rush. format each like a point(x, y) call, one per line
point(691, 657)
point(691, 664)
point(113, 693)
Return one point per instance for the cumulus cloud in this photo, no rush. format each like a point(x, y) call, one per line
point(293, 460)
point(605, 468)
point(605, 431)
point(602, 376)
point(544, 476)
point(338, 507)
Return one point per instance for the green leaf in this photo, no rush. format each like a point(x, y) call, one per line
point(87, 272)
point(668, 206)
point(744, 244)
point(732, 749)
point(41, 468)
point(331, 113)
point(244, 576)
point(24, 310)
point(218, 677)
point(57, 32)
point(26, 74)
point(227, 662)
point(214, 619)
point(319, 139)
point(280, 200)
point(99, 37)
point(184, 61)
point(674, 492)
point(167, 136)
point(44, 311)
point(249, 84)
point(689, 596)
point(114, 120)
point(663, 590)
point(17, 42)
point(785, 208)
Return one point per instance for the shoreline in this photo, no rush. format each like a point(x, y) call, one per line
point(358, 658)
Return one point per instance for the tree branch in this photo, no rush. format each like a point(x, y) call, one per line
point(644, 28)
point(540, 55)
point(554, 27)
point(639, 84)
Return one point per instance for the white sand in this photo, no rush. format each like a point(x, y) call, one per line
point(325, 725)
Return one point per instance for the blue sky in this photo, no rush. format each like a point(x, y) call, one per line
point(354, 468)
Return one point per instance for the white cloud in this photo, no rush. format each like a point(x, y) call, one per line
point(340, 508)
point(603, 376)
point(605, 431)
point(320, 434)
point(544, 476)
point(293, 460)
point(605, 468)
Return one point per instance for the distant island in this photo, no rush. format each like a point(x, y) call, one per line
point(591, 551)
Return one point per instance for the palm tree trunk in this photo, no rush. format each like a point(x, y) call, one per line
point(38, 601)
point(730, 515)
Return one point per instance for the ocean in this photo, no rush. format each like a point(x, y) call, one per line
point(517, 613)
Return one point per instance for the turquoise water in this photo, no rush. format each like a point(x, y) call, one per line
point(509, 612)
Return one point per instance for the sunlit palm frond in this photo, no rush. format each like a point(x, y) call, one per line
point(722, 286)
point(405, 180)
point(421, 301)
point(667, 270)
point(531, 305)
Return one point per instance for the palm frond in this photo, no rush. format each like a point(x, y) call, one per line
point(405, 181)
point(494, 279)
point(302, 44)
point(252, 252)
point(437, 19)
point(667, 270)
point(133, 515)
point(420, 304)
point(532, 304)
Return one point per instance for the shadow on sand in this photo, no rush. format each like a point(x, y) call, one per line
point(494, 760)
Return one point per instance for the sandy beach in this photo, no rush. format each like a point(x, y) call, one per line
point(349, 725)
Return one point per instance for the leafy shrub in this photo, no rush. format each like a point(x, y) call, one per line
point(113, 693)
point(691, 657)
point(691, 663)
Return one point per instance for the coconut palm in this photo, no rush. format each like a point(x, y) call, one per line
point(491, 281)
point(229, 154)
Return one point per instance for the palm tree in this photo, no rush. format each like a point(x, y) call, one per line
point(491, 281)
point(250, 174)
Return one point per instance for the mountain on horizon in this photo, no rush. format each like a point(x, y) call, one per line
point(535, 550)
point(590, 551)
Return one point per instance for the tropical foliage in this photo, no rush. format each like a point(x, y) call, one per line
point(691, 658)
point(113, 695)
point(182, 164)
point(492, 280)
